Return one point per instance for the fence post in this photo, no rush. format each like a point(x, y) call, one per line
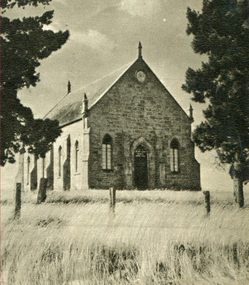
point(18, 202)
point(112, 198)
point(42, 191)
point(207, 201)
point(235, 253)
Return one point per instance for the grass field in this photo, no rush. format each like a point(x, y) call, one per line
point(154, 237)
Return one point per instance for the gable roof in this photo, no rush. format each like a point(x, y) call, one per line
point(69, 109)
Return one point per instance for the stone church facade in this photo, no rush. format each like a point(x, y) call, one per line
point(125, 131)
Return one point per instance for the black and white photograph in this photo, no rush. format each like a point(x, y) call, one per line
point(124, 142)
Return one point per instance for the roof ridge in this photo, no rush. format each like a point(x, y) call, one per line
point(95, 81)
point(89, 84)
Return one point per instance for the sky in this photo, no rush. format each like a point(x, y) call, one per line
point(104, 36)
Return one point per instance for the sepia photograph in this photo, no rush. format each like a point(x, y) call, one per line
point(124, 142)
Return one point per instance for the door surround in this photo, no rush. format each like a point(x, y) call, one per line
point(140, 168)
point(150, 161)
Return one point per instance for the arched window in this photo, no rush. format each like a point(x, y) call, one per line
point(59, 160)
point(28, 169)
point(43, 166)
point(76, 156)
point(174, 155)
point(107, 152)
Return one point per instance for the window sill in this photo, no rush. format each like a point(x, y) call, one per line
point(107, 170)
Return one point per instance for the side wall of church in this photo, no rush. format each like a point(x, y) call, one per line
point(132, 112)
point(68, 152)
point(35, 169)
point(63, 165)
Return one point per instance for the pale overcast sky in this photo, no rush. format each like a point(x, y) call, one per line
point(104, 36)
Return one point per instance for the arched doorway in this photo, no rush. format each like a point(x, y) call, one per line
point(140, 168)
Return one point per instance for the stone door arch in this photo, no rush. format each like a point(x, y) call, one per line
point(140, 168)
point(143, 164)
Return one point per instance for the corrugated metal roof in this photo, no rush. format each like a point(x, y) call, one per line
point(70, 107)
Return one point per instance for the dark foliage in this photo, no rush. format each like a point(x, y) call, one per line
point(221, 32)
point(24, 43)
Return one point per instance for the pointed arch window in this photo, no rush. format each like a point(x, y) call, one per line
point(59, 160)
point(76, 156)
point(107, 152)
point(43, 166)
point(174, 156)
point(28, 170)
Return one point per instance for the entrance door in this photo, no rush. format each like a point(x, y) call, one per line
point(140, 168)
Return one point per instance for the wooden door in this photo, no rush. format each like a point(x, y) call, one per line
point(140, 168)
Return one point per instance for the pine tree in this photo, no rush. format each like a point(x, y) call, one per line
point(24, 43)
point(221, 32)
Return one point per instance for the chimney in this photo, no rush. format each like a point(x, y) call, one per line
point(85, 106)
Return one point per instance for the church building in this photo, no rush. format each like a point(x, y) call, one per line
point(124, 130)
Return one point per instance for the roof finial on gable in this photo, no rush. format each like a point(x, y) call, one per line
point(85, 106)
point(140, 50)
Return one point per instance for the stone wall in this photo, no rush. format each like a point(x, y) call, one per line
point(133, 111)
point(71, 134)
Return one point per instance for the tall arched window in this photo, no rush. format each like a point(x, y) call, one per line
point(28, 169)
point(174, 156)
point(43, 166)
point(76, 156)
point(107, 152)
point(59, 160)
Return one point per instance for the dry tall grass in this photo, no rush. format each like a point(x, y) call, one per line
point(159, 237)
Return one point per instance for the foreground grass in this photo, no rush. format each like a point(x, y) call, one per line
point(153, 238)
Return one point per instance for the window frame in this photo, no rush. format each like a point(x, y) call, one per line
point(106, 153)
point(28, 170)
point(43, 166)
point(59, 161)
point(174, 156)
point(76, 156)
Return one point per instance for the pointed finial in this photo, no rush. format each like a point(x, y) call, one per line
point(191, 113)
point(139, 50)
point(68, 87)
point(85, 106)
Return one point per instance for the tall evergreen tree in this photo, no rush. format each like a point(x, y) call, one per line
point(24, 42)
point(221, 32)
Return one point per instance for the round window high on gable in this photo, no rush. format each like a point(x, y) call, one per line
point(141, 76)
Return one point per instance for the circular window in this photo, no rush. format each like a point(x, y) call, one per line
point(140, 76)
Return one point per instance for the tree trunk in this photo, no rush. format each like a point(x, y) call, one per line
point(238, 191)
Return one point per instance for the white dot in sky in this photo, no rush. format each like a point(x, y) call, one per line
point(164, 20)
